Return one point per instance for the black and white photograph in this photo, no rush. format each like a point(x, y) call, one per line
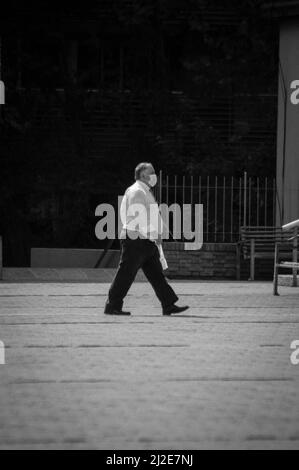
point(149, 227)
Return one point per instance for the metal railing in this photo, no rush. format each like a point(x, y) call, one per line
point(228, 202)
point(1, 259)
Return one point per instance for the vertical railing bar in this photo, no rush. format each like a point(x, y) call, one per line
point(184, 191)
point(199, 189)
point(266, 201)
point(258, 201)
point(208, 205)
point(191, 196)
point(245, 198)
point(250, 200)
point(216, 207)
point(175, 188)
point(224, 195)
point(232, 210)
point(191, 190)
point(199, 192)
point(167, 190)
point(156, 191)
point(274, 202)
point(161, 187)
point(240, 202)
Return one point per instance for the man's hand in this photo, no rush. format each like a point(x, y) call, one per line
point(159, 240)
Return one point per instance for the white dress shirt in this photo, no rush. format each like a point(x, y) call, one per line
point(140, 212)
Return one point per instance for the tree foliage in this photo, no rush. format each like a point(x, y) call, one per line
point(47, 180)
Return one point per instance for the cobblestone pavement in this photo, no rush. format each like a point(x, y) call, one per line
point(218, 376)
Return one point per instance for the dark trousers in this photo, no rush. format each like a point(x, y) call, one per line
point(136, 254)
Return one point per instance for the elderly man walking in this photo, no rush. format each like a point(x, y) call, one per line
point(140, 245)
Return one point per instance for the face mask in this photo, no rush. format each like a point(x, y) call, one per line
point(153, 180)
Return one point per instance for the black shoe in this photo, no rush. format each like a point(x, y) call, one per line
point(174, 309)
point(117, 312)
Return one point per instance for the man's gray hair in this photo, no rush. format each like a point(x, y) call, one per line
point(140, 168)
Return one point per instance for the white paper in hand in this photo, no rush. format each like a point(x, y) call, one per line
point(162, 258)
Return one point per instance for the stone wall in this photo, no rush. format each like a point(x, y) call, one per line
point(213, 261)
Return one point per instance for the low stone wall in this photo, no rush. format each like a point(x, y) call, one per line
point(213, 261)
point(101, 275)
point(286, 280)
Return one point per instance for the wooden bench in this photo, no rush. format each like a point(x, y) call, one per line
point(258, 242)
point(286, 251)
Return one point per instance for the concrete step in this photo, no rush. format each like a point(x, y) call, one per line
point(61, 275)
point(72, 258)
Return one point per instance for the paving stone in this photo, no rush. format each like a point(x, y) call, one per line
point(218, 376)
